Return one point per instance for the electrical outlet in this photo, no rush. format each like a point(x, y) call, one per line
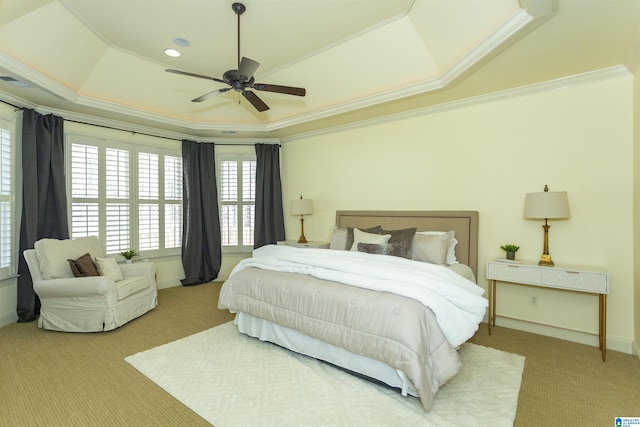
point(533, 300)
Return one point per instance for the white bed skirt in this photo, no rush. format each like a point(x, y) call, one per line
point(296, 341)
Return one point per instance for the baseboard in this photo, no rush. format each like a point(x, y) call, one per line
point(8, 318)
point(171, 283)
point(613, 343)
point(635, 349)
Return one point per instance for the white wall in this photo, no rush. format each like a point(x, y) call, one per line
point(485, 156)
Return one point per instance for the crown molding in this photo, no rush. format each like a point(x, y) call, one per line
point(89, 120)
point(556, 84)
point(560, 83)
point(513, 25)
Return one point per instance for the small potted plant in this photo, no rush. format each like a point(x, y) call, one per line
point(510, 250)
point(129, 254)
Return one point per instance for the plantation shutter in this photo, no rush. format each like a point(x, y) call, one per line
point(6, 197)
point(149, 207)
point(228, 202)
point(173, 201)
point(84, 191)
point(237, 188)
point(118, 206)
point(248, 200)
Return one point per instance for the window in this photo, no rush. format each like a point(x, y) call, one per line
point(237, 196)
point(130, 196)
point(6, 198)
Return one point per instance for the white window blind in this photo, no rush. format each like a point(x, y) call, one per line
point(129, 196)
point(84, 190)
point(236, 188)
point(148, 193)
point(172, 201)
point(148, 176)
point(6, 198)
point(118, 227)
point(117, 203)
point(117, 173)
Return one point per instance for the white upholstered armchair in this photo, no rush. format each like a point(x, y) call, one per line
point(88, 304)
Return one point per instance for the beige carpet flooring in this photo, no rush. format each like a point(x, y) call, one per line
point(64, 379)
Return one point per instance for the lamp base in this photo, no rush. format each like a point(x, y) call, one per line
point(302, 239)
point(546, 261)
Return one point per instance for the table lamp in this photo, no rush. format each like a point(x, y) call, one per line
point(301, 207)
point(546, 205)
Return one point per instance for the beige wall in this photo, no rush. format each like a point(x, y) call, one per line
point(485, 156)
point(636, 205)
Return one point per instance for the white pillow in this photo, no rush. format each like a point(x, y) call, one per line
point(108, 267)
point(451, 250)
point(363, 237)
point(432, 247)
point(338, 238)
point(53, 254)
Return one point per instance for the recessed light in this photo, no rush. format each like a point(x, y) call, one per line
point(172, 53)
point(181, 42)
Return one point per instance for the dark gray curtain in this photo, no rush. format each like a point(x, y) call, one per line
point(44, 198)
point(269, 216)
point(201, 241)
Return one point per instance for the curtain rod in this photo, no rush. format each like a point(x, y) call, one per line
point(14, 106)
point(125, 130)
point(132, 132)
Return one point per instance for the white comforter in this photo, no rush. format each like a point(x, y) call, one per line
point(456, 302)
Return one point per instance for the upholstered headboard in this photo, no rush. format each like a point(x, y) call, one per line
point(465, 224)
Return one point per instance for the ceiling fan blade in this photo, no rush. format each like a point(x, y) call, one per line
point(255, 101)
point(210, 95)
point(200, 76)
point(289, 90)
point(247, 67)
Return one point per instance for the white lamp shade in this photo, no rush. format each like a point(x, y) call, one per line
point(301, 207)
point(547, 205)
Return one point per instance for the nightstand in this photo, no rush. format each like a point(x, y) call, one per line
point(579, 279)
point(312, 245)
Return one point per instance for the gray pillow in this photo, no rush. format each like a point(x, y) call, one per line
point(393, 249)
point(373, 230)
point(402, 236)
point(83, 266)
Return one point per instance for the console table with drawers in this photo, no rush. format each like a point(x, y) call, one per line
point(579, 279)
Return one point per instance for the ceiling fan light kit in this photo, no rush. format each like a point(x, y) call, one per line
point(241, 79)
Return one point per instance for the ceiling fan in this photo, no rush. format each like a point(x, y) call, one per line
point(241, 79)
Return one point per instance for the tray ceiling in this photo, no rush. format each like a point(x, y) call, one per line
point(106, 58)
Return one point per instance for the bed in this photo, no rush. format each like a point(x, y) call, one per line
point(392, 319)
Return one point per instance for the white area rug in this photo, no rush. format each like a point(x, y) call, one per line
point(230, 380)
